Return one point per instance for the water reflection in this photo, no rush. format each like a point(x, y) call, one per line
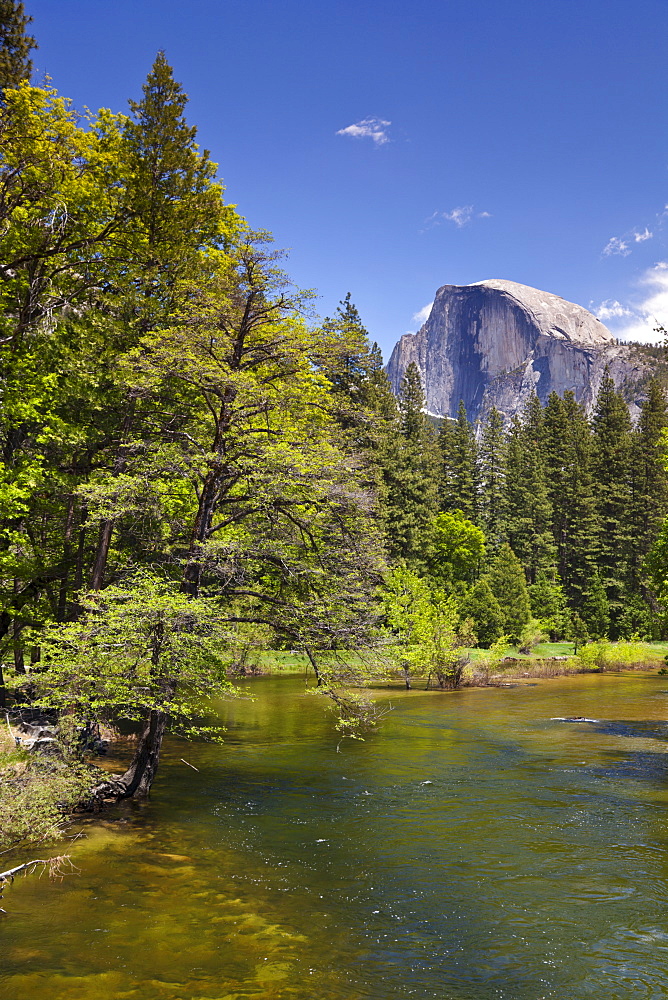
point(471, 849)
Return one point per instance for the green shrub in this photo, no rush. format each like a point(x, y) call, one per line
point(606, 655)
point(37, 795)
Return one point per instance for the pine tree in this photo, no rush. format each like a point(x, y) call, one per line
point(649, 482)
point(638, 619)
point(348, 368)
point(548, 605)
point(15, 44)
point(482, 607)
point(507, 583)
point(176, 224)
point(459, 487)
point(445, 444)
point(362, 402)
point(612, 476)
point(174, 202)
point(533, 422)
point(412, 404)
point(528, 521)
point(595, 609)
point(361, 392)
point(380, 398)
point(568, 456)
point(577, 632)
point(411, 469)
point(492, 476)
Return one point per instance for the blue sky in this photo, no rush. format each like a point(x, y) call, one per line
point(394, 147)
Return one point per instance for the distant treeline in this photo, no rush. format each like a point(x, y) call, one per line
point(580, 502)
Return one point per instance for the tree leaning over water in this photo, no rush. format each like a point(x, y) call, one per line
point(202, 463)
point(91, 258)
point(263, 532)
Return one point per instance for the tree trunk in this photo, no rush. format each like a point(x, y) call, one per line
point(107, 526)
point(19, 662)
point(17, 645)
point(314, 664)
point(137, 780)
point(101, 554)
point(140, 775)
point(75, 610)
point(61, 615)
point(211, 487)
point(207, 505)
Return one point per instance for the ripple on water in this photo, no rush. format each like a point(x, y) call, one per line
point(469, 855)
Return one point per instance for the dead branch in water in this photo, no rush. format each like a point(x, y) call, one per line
point(57, 867)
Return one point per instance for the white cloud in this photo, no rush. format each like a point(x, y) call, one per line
point(639, 320)
point(612, 309)
point(461, 216)
point(615, 245)
point(368, 128)
point(621, 245)
point(422, 315)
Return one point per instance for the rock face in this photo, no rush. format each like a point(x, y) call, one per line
point(494, 342)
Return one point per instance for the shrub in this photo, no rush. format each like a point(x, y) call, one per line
point(533, 632)
point(36, 796)
point(606, 655)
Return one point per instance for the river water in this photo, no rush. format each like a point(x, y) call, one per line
point(473, 848)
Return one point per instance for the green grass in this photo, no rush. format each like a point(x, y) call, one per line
point(647, 654)
point(542, 651)
point(658, 647)
point(553, 649)
point(283, 661)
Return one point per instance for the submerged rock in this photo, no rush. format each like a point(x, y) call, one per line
point(571, 718)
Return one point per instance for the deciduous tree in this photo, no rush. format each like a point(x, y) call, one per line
point(454, 549)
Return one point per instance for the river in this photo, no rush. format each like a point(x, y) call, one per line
point(473, 848)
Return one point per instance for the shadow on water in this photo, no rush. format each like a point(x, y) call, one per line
point(638, 728)
point(641, 763)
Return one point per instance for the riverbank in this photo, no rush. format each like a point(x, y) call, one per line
point(38, 792)
point(474, 846)
point(549, 659)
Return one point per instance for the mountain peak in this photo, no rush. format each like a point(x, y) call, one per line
point(494, 342)
point(557, 317)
